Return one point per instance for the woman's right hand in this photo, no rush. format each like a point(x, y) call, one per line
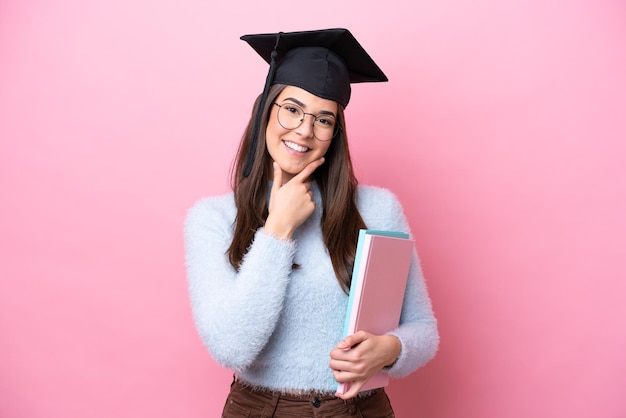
point(290, 203)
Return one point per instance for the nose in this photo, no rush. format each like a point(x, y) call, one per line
point(306, 127)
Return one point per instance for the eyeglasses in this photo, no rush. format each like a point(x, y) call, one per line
point(291, 116)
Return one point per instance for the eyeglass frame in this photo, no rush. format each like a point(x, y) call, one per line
point(336, 129)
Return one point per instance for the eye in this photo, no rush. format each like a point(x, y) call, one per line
point(293, 110)
point(325, 121)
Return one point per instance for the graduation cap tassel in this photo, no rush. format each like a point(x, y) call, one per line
point(257, 118)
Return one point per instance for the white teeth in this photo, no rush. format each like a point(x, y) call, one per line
point(296, 147)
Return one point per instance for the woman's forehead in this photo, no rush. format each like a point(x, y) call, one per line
point(307, 99)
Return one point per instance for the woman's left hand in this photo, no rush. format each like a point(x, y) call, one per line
point(360, 356)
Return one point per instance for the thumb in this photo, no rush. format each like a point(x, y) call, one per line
point(352, 340)
point(346, 343)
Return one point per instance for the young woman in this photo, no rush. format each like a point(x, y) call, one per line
point(269, 265)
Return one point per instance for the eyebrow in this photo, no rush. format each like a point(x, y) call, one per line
point(302, 105)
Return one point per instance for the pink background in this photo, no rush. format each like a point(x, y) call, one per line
point(503, 131)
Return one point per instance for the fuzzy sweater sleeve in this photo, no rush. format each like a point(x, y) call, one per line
point(235, 312)
point(418, 326)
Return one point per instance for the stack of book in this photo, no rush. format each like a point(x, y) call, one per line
point(381, 268)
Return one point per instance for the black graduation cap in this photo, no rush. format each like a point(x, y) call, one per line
point(322, 62)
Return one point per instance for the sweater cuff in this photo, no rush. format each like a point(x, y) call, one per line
point(396, 368)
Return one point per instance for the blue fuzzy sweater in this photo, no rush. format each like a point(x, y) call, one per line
point(275, 326)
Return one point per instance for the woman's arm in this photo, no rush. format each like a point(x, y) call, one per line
point(416, 339)
point(235, 312)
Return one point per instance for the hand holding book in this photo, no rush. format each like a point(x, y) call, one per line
point(360, 356)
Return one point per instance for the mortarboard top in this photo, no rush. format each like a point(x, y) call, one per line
point(322, 62)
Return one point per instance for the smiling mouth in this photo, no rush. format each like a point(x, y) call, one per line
point(295, 147)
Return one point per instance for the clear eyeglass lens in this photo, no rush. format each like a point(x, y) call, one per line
point(291, 116)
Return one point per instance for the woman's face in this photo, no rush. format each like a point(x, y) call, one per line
point(294, 148)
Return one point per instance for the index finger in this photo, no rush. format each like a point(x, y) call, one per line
point(308, 170)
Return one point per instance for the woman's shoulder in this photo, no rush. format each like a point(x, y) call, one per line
point(380, 208)
point(213, 208)
point(373, 195)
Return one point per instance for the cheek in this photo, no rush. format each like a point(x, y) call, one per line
point(274, 131)
point(324, 148)
point(270, 133)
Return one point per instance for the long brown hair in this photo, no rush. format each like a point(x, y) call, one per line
point(335, 178)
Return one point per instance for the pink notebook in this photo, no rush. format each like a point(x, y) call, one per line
point(379, 280)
